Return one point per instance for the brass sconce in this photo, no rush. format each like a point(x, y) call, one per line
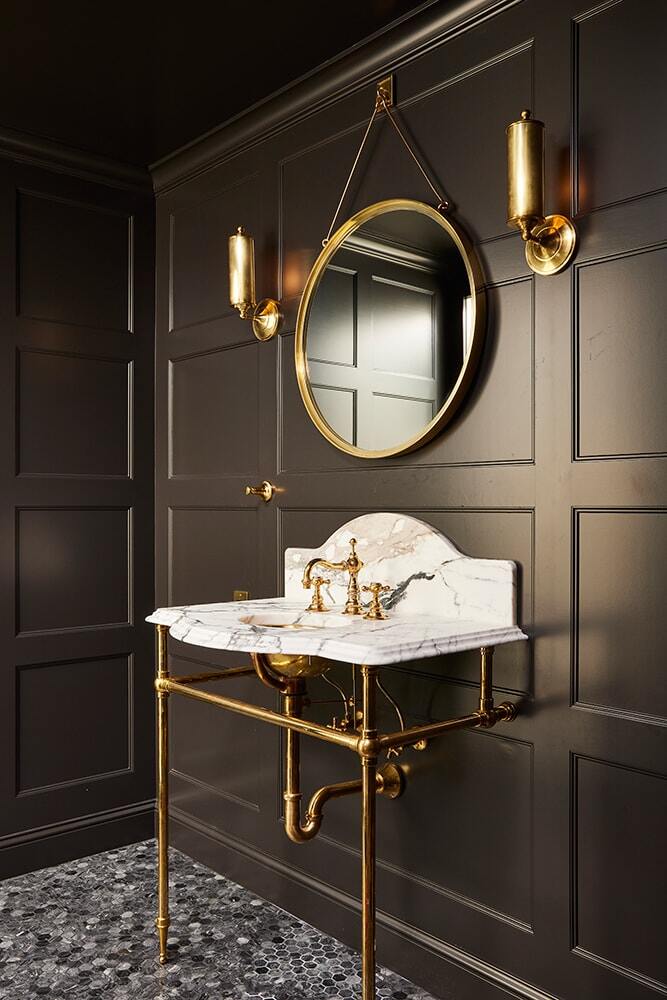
point(265, 315)
point(551, 239)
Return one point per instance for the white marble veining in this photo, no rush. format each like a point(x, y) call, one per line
point(427, 573)
point(441, 601)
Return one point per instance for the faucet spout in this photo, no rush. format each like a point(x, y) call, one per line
point(307, 580)
point(351, 565)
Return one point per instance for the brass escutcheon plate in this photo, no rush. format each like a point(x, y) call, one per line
point(559, 242)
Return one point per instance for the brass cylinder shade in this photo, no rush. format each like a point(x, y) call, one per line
point(242, 271)
point(525, 172)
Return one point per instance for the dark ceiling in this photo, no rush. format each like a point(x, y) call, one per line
point(134, 81)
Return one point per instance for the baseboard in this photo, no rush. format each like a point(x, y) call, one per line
point(440, 968)
point(56, 843)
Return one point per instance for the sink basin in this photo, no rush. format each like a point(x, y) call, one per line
point(292, 620)
point(294, 665)
point(291, 665)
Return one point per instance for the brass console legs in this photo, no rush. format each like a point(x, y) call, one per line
point(162, 921)
point(368, 823)
point(368, 744)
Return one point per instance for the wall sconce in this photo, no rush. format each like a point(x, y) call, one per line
point(551, 239)
point(265, 315)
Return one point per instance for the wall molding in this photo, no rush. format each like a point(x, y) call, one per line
point(610, 711)
point(439, 950)
point(576, 948)
point(55, 843)
point(600, 260)
point(206, 786)
point(51, 155)
point(400, 43)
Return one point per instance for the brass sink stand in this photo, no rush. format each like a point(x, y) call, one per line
point(366, 742)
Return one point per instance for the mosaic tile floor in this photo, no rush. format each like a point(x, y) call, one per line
point(84, 930)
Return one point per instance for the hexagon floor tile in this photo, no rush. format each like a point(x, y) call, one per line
point(85, 930)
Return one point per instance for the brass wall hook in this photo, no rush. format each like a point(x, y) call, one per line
point(384, 102)
point(384, 93)
point(265, 490)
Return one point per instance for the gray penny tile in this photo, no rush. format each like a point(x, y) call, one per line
point(85, 930)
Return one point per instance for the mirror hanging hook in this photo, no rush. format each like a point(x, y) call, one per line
point(384, 101)
point(442, 202)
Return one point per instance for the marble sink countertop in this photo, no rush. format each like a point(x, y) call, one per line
point(347, 638)
point(440, 601)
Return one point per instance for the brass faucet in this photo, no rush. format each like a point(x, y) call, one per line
point(351, 565)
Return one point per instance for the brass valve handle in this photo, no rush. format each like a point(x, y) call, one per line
point(375, 611)
point(265, 490)
point(317, 603)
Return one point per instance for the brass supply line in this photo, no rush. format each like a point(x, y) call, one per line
point(393, 751)
point(389, 782)
point(486, 716)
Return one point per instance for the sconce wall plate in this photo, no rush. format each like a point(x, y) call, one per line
point(266, 319)
point(551, 245)
point(265, 315)
point(550, 240)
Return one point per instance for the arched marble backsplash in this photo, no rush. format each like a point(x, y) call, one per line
point(427, 573)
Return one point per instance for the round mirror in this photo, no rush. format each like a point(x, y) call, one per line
point(390, 329)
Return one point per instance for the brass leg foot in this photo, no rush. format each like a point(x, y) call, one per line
point(162, 924)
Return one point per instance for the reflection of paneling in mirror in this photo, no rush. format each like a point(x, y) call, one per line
point(332, 332)
point(389, 330)
point(338, 407)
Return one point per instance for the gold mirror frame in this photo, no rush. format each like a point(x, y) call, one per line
point(462, 384)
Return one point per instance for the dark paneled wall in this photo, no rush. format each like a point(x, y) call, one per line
point(522, 862)
point(76, 536)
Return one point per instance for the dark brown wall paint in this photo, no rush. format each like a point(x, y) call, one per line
point(181, 76)
point(76, 536)
point(523, 862)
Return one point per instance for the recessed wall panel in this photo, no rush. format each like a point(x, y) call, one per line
point(403, 324)
point(199, 289)
point(620, 836)
point(397, 418)
point(226, 765)
point(213, 553)
point(621, 629)
point(214, 412)
point(332, 324)
point(622, 356)
point(73, 263)
point(622, 78)
point(73, 415)
point(72, 721)
point(72, 568)
point(338, 407)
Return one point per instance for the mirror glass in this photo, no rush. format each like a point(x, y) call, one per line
point(386, 329)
